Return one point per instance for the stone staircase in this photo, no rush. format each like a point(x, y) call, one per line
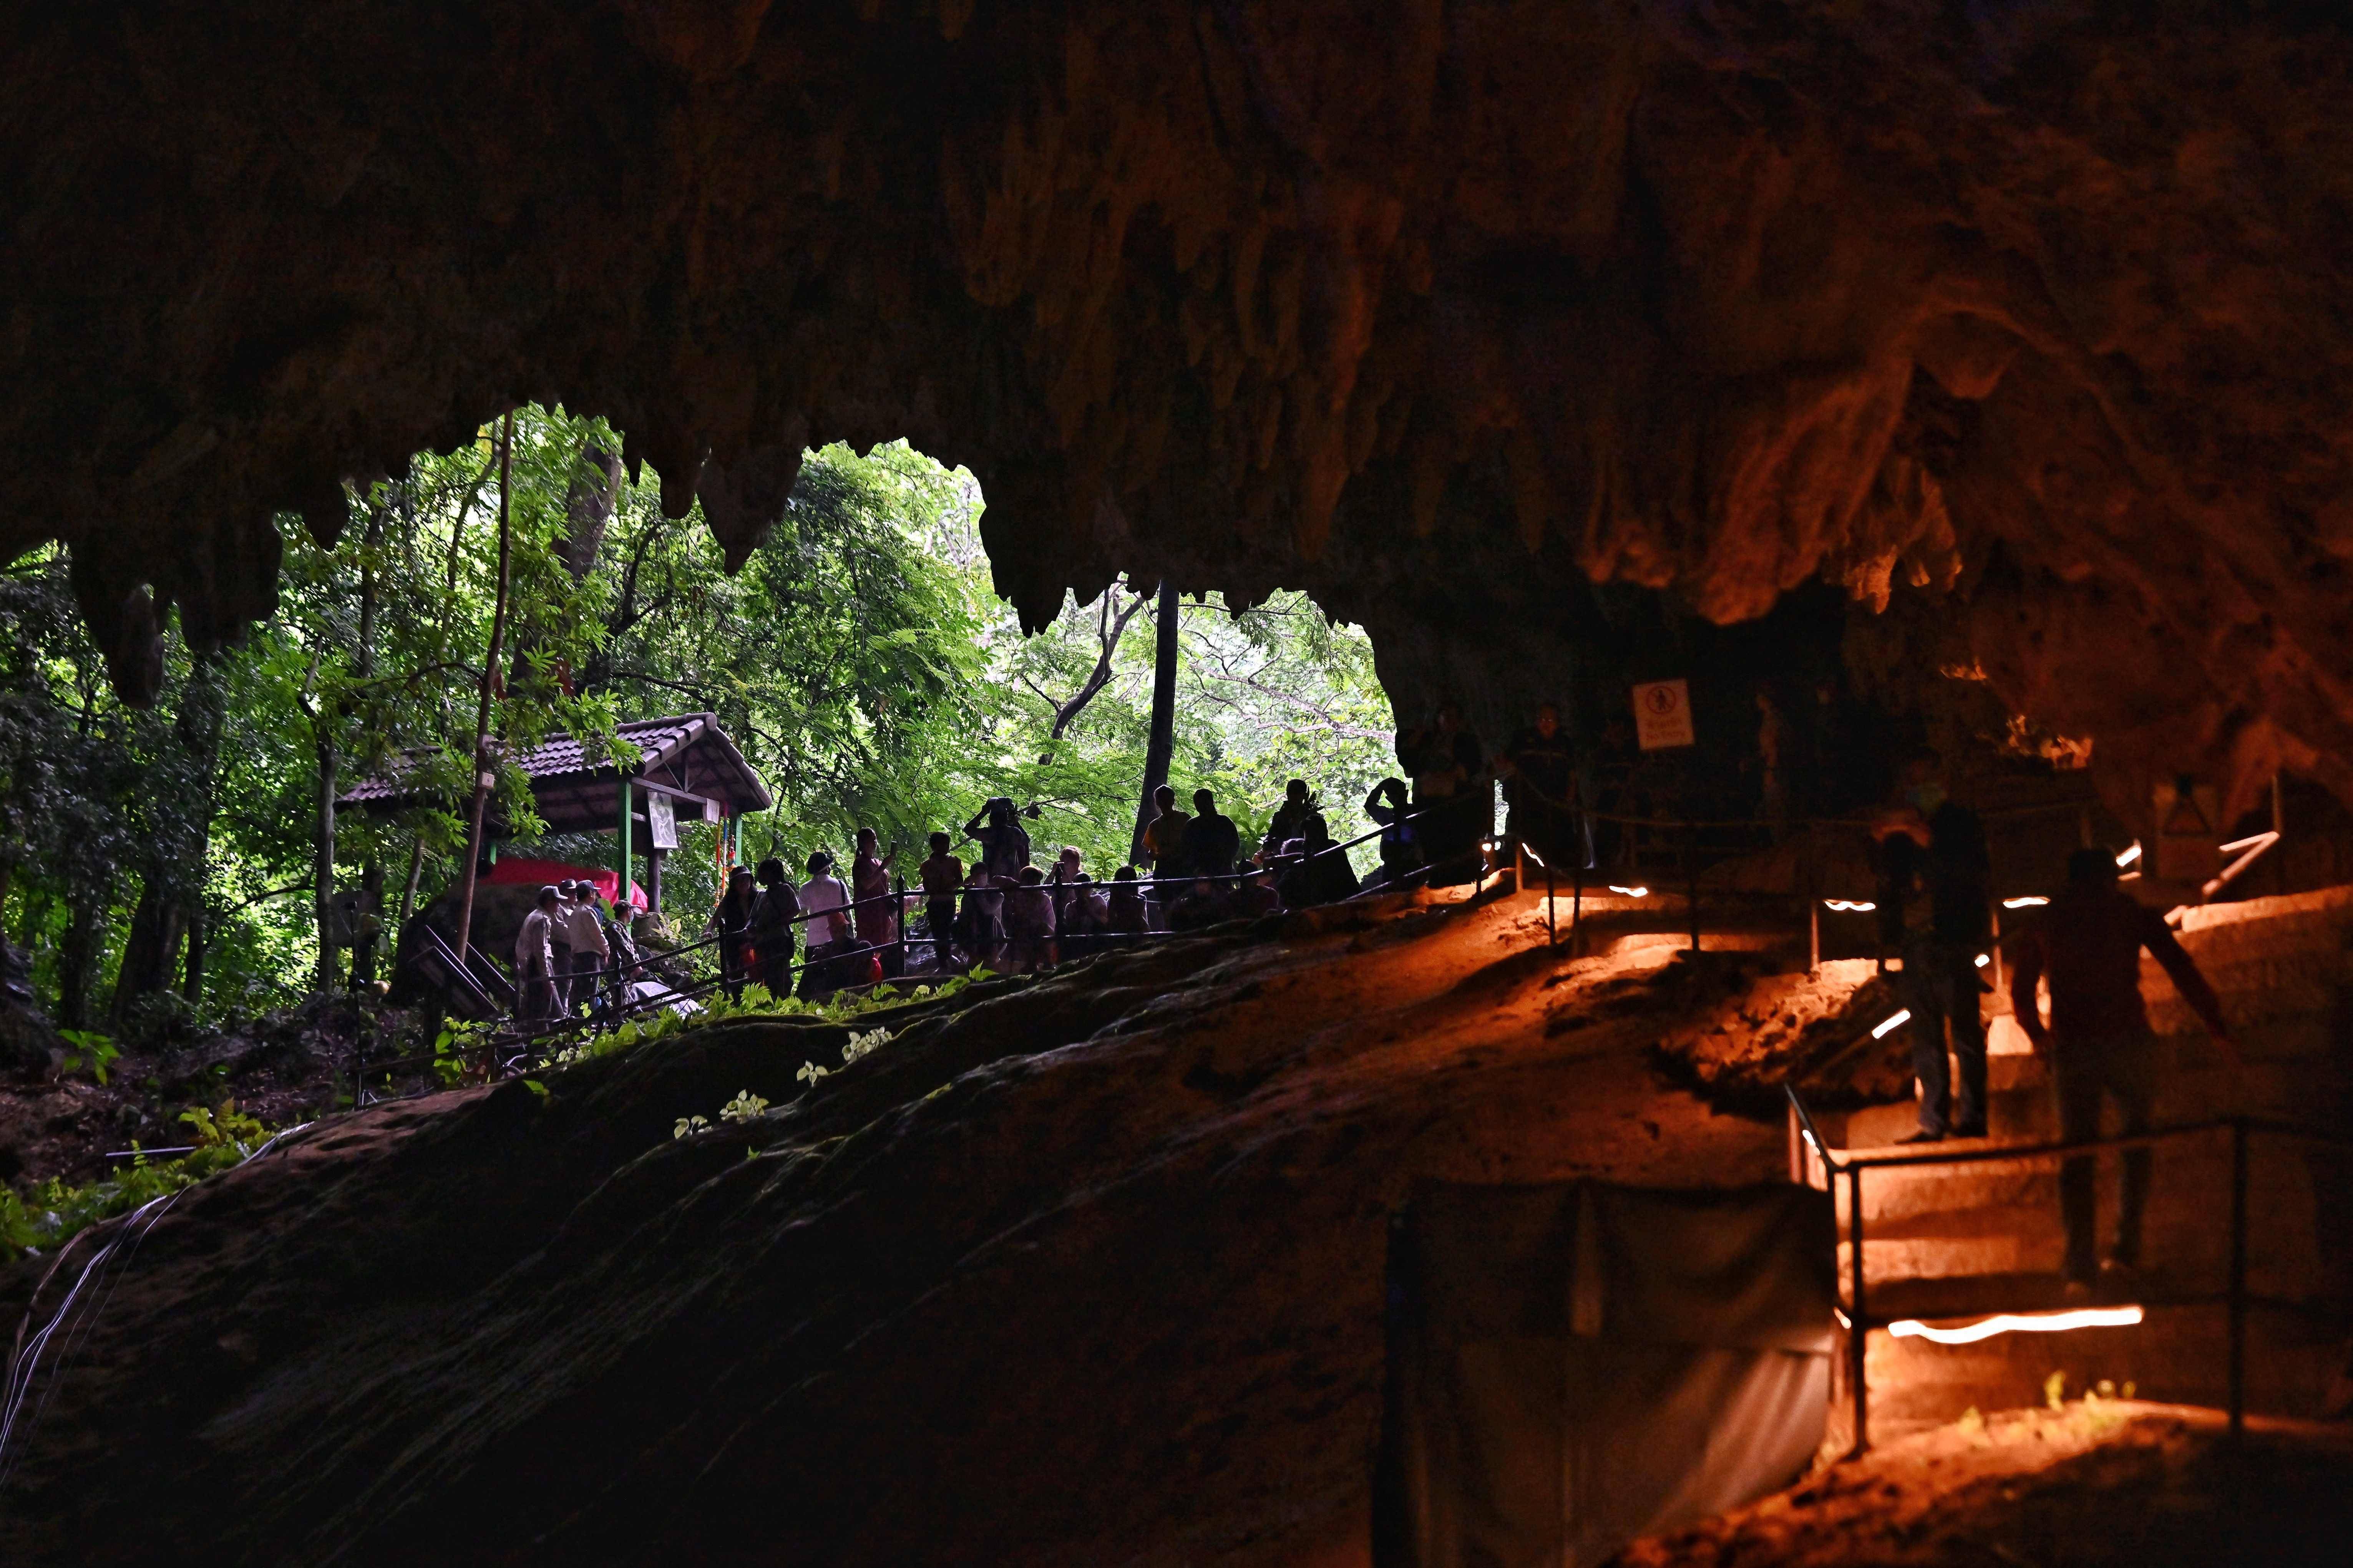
point(1947, 1243)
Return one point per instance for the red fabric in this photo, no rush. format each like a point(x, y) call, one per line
point(546, 872)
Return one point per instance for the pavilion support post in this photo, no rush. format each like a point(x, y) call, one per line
point(653, 879)
point(621, 894)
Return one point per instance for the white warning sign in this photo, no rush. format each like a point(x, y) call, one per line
point(1663, 715)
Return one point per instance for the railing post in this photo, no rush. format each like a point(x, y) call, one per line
point(1691, 874)
point(1813, 895)
point(1858, 1334)
point(1552, 918)
point(2238, 1275)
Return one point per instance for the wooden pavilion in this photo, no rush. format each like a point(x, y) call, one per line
point(688, 769)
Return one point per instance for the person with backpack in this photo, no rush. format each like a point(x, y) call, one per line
point(1004, 842)
point(731, 923)
point(771, 928)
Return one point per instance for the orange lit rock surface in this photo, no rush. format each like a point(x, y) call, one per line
point(1444, 312)
point(2120, 1482)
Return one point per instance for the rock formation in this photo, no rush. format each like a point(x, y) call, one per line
point(1082, 1271)
point(1441, 310)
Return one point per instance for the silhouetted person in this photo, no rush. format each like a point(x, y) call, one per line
point(1400, 837)
point(366, 925)
point(2098, 1041)
point(1164, 836)
point(1615, 761)
point(772, 914)
point(1212, 843)
point(1257, 894)
point(878, 911)
point(590, 952)
point(1540, 786)
point(1943, 896)
point(1321, 875)
point(1126, 915)
point(1201, 906)
point(943, 876)
point(824, 900)
point(1063, 882)
point(1449, 766)
point(981, 928)
point(1029, 922)
point(731, 923)
point(535, 961)
point(1290, 819)
point(1004, 842)
point(559, 934)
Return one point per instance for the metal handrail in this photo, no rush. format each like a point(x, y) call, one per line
point(2236, 1297)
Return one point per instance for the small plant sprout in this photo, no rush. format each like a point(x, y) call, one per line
point(862, 1045)
point(689, 1125)
point(90, 1049)
point(742, 1108)
point(810, 1072)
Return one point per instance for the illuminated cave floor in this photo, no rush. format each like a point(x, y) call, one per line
point(2124, 1482)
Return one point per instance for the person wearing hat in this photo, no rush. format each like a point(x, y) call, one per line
point(824, 900)
point(559, 938)
point(591, 954)
point(731, 921)
point(535, 960)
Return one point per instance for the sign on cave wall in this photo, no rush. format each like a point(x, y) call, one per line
point(1663, 715)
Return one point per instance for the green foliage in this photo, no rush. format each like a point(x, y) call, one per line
point(90, 1049)
point(53, 1212)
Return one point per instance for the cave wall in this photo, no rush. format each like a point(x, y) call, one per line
point(1437, 309)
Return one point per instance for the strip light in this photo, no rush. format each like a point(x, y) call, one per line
point(1850, 906)
point(2127, 855)
point(2018, 1322)
point(1631, 892)
point(2032, 902)
point(1983, 960)
point(1889, 1026)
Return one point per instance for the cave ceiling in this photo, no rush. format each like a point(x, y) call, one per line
point(1441, 311)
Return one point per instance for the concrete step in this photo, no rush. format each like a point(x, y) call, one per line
point(2002, 1218)
point(1956, 1242)
point(2177, 1354)
point(2021, 1108)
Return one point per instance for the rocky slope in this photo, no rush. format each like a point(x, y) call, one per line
point(1443, 311)
point(1085, 1272)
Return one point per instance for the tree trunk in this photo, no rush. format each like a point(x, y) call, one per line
point(408, 887)
point(483, 777)
point(1161, 749)
point(192, 985)
point(323, 852)
point(150, 951)
point(77, 958)
point(588, 507)
point(172, 872)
